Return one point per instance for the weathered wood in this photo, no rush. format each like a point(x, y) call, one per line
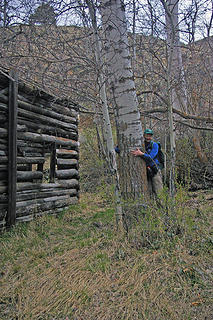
point(3, 210)
point(46, 120)
point(3, 153)
point(29, 218)
point(3, 141)
point(28, 175)
point(65, 110)
point(26, 151)
point(22, 143)
point(3, 133)
point(53, 212)
point(2, 224)
point(24, 160)
point(24, 195)
point(23, 111)
point(21, 127)
point(3, 167)
point(72, 134)
point(23, 98)
point(22, 167)
point(63, 164)
point(21, 204)
point(73, 183)
point(71, 162)
point(66, 167)
point(24, 219)
point(12, 148)
point(39, 110)
point(4, 91)
point(42, 103)
point(67, 154)
point(49, 122)
point(4, 206)
point(55, 191)
point(34, 154)
point(64, 174)
point(29, 136)
point(4, 118)
point(3, 189)
point(3, 106)
point(4, 198)
point(36, 208)
point(69, 183)
point(36, 205)
point(3, 147)
point(46, 112)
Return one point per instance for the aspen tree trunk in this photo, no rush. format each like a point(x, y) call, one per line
point(165, 160)
point(194, 109)
point(177, 83)
point(111, 157)
point(132, 171)
point(134, 36)
point(151, 59)
point(172, 140)
point(171, 13)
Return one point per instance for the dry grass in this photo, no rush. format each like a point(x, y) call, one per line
point(77, 267)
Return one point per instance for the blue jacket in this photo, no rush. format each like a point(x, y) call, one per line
point(151, 154)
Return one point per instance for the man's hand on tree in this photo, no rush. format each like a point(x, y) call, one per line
point(137, 153)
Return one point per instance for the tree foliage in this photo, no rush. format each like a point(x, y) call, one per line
point(44, 14)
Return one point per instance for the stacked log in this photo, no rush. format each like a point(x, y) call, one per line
point(47, 154)
point(3, 159)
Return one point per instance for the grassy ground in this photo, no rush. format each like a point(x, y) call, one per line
point(76, 266)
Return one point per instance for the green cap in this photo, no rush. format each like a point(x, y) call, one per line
point(148, 131)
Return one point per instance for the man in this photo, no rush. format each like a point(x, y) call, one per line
point(154, 177)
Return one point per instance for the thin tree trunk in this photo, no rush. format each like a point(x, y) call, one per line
point(179, 95)
point(178, 82)
point(111, 156)
point(134, 37)
point(173, 55)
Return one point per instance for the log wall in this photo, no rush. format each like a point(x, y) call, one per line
point(38, 152)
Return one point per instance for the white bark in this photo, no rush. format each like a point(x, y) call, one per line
point(120, 70)
point(134, 35)
point(174, 73)
point(120, 76)
point(178, 83)
point(111, 157)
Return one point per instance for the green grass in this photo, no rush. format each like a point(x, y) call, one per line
point(77, 266)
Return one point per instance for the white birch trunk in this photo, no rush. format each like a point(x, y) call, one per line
point(120, 70)
point(178, 83)
point(111, 157)
point(134, 36)
point(177, 94)
point(120, 76)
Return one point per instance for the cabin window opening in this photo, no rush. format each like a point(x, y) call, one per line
point(48, 166)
